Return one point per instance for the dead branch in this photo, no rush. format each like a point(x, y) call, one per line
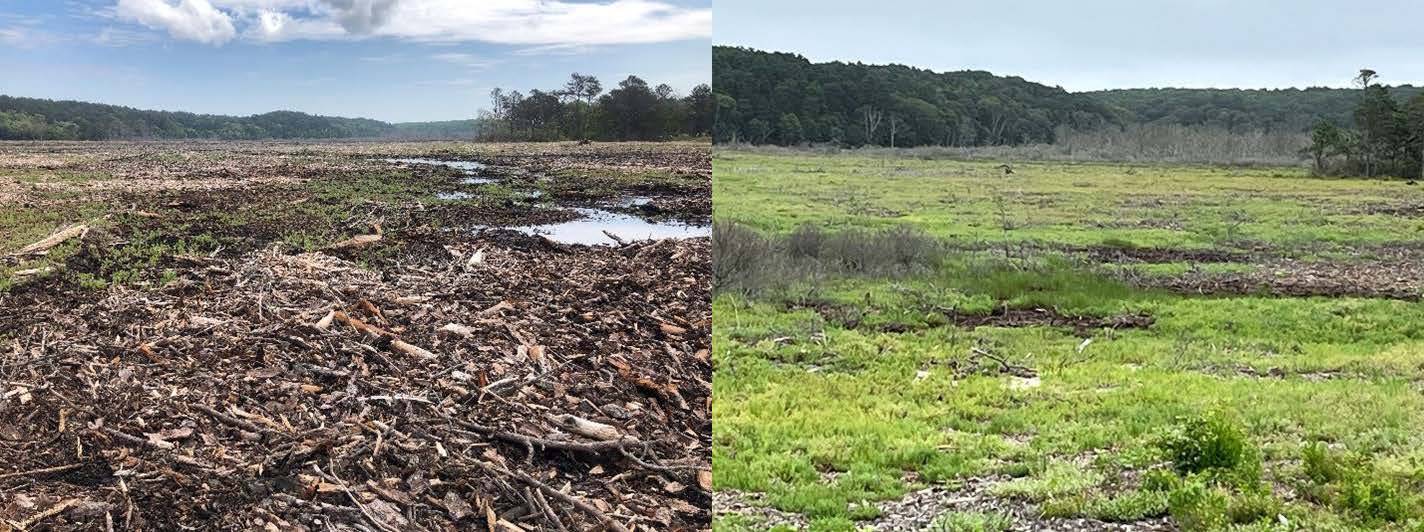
point(54, 240)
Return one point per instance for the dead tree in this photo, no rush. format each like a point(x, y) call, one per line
point(872, 122)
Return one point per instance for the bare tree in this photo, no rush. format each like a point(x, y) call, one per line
point(872, 118)
point(1363, 79)
point(894, 128)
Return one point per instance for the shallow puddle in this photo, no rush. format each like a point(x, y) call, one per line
point(471, 168)
point(589, 229)
point(458, 195)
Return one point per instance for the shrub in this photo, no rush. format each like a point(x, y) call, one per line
point(1320, 465)
point(1161, 480)
point(1253, 507)
point(737, 254)
point(1196, 506)
point(1375, 499)
point(1213, 444)
point(971, 522)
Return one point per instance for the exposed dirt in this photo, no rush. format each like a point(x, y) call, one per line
point(438, 378)
point(853, 317)
point(1128, 255)
point(1008, 317)
point(919, 509)
point(1391, 279)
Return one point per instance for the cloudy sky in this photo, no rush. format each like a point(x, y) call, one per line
point(1095, 44)
point(395, 60)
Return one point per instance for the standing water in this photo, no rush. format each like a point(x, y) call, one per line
point(471, 168)
point(589, 230)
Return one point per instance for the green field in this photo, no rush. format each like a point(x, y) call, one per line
point(1072, 345)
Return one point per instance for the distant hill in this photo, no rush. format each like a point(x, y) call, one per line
point(42, 119)
point(773, 97)
point(1243, 110)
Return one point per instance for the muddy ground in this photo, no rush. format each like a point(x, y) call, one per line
point(302, 336)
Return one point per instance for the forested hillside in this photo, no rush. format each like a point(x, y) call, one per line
point(784, 98)
point(41, 119)
point(581, 109)
point(1242, 111)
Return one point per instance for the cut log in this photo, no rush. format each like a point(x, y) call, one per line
point(55, 239)
point(356, 242)
point(586, 428)
point(411, 350)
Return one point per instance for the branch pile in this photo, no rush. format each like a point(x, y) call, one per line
point(536, 388)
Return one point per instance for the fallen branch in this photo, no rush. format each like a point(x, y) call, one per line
point(355, 242)
point(527, 441)
point(54, 239)
point(584, 427)
point(608, 522)
point(51, 512)
point(41, 471)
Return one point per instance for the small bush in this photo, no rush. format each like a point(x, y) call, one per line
point(1375, 500)
point(1320, 464)
point(1161, 480)
point(737, 255)
point(971, 522)
point(745, 261)
point(1196, 506)
point(1253, 507)
point(805, 242)
point(1214, 444)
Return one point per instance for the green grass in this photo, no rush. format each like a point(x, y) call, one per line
point(1205, 416)
point(1192, 207)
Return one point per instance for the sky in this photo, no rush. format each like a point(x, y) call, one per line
point(1086, 45)
point(392, 60)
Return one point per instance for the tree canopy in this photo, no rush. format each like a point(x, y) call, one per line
point(1243, 110)
point(633, 110)
point(42, 119)
point(784, 98)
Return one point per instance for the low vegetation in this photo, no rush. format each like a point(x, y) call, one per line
point(1073, 344)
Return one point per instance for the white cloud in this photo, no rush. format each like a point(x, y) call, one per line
point(465, 60)
point(546, 22)
point(273, 25)
point(14, 36)
point(360, 17)
point(120, 37)
point(555, 24)
point(194, 20)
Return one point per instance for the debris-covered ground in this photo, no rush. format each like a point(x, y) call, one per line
point(310, 336)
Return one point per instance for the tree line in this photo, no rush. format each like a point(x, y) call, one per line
point(1243, 110)
point(782, 98)
point(1387, 137)
point(582, 110)
point(43, 119)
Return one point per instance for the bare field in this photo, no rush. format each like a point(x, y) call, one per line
point(307, 336)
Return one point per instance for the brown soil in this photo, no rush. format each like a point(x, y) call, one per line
point(1127, 255)
point(1391, 279)
point(1081, 325)
point(852, 318)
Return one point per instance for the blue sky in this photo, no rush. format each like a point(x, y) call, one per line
point(1096, 44)
point(394, 60)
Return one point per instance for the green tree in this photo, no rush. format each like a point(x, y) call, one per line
point(1326, 141)
point(789, 129)
point(758, 131)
